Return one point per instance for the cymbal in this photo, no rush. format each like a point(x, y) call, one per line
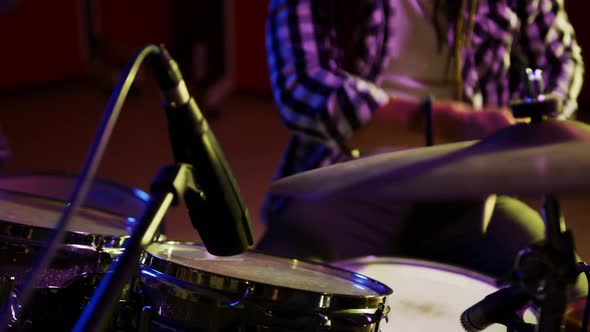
point(551, 157)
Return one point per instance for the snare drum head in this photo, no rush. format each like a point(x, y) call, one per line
point(45, 213)
point(31, 204)
point(276, 271)
point(427, 296)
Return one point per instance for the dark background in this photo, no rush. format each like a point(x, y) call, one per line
point(59, 59)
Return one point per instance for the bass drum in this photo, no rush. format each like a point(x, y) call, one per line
point(428, 296)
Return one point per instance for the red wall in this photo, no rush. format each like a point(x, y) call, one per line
point(54, 29)
point(250, 50)
point(44, 41)
point(41, 42)
point(135, 23)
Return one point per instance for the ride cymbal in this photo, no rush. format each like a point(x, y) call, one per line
point(548, 157)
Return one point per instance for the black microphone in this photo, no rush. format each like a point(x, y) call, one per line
point(220, 217)
point(498, 307)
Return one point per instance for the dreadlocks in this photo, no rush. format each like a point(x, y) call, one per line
point(443, 18)
point(347, 14)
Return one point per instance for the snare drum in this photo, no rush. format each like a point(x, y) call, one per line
point(30, 206)
point(189, 289)
point(428, 296)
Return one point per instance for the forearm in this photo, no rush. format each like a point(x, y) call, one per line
point(402, 122)
point(398, 123)
point(316, 97)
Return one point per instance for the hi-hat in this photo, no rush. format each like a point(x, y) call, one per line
point(551, 157)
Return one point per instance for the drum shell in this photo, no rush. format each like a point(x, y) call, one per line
point(430, 295)
point(67, 284)
point(213, 302)
point(63, 289)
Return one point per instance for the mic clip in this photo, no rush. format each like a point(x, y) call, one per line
point(177, 179)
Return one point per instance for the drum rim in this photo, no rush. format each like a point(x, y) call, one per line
point(17, 232)
point(269, 294)
point(133, 191)
point(10, 231)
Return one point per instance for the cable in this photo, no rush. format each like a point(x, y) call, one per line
point(25, 290)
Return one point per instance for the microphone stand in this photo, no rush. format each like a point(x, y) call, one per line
point(169, 187)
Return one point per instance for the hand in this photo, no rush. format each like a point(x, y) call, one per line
point(400, 123)
point(391, 126)
point(456, 121)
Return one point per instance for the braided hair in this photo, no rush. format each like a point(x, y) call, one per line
point(454, 12)
point(348, 15)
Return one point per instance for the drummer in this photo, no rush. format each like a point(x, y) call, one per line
point(349, 76)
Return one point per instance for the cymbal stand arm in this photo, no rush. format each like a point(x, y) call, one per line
point(559, 253)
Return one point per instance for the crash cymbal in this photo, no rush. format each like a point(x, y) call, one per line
point(548, 157)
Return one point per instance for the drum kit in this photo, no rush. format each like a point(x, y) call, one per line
point(178, 286)
point(183, 287)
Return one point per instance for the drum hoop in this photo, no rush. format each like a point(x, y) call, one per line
point(17, 232)
point(28, 234)
point(418, 262)
point(268, 294)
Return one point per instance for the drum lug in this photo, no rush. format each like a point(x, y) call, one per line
point(324, 321)
point(247, 291)
point(145, 319)
point(8, 283)
point(13, 306)
point(384, 311)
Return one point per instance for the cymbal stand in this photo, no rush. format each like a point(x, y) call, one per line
point(544, 272)
point(548, 269)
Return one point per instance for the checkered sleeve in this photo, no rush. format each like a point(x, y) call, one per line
point(550, 45)
point(316, 98)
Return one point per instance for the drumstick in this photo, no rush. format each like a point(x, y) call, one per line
point(426, 108)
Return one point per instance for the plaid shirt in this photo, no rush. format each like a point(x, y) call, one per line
point(323, 105)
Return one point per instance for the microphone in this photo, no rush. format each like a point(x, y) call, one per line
point(218, 213)
point(498, 307)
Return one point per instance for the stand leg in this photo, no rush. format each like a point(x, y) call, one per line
point(554, 223)
point(105, 297)
point(169, 186)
